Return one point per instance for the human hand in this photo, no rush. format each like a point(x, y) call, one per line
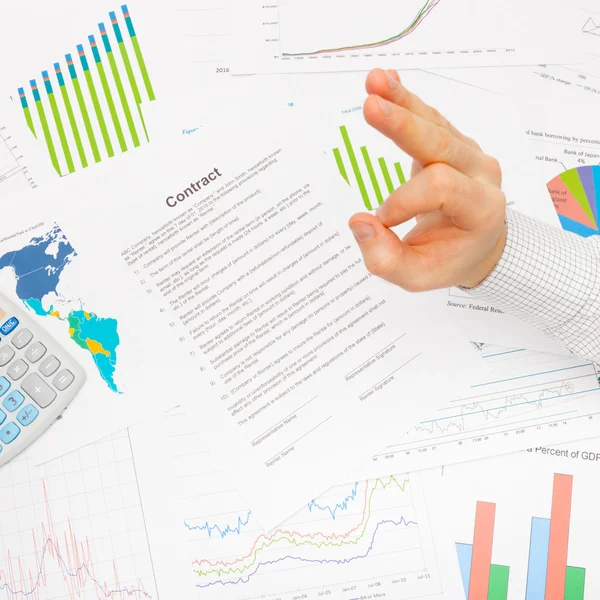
point(454, 193)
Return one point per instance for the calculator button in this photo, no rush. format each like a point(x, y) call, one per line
point(28, 415)
point(63, 380)
point(17, 369)
point(6, 355)
point(9, 325)
point(13, 401)
point(2, 417)
point(9, 433)
point(4, 385)
point(35, 352)
point(37, 389)
point(49, 366)
point(22, 338)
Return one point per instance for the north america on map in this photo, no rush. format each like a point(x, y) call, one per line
point(37, 268)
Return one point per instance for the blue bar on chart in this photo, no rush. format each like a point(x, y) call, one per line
point(538, 559)
point(465, 556)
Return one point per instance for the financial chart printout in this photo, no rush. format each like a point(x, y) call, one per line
point(522, 526)
point(292, 341)
point(74, 527)
point(311, 36)
point(84, 76)
point(357, 539)
point(54, 280)
point(527, 399)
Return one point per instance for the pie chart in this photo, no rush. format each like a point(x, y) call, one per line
point(576, 195)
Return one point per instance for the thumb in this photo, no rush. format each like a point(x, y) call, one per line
point(384, 253)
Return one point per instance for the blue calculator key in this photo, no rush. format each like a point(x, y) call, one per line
point(4, 385)
point(2, 417)
point(9, 433)
point(28, 415)
point(9, 325)
point(13, 401)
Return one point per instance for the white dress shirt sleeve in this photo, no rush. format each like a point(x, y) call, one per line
point(550, 278)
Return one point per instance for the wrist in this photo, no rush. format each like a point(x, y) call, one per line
point(478, 275)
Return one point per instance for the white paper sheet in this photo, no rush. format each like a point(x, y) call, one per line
point(264, 288)
point(359, 538)
point(519, 503)
point(328, 103)
point(286, 36)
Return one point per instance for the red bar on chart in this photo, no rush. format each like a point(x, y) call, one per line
point(483, 540)
point(558, 547)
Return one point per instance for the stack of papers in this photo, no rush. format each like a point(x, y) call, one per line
point(262, 417)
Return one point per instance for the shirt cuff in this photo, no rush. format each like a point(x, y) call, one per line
point(545, 276)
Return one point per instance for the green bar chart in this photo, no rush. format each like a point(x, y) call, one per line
point(99, 110)
point(370, 176)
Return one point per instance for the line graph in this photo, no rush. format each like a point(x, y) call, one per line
point(286, 36)
point(355, 534)
point(222, 531)
point(528, 396)
point(414, 24)
point(68, 528)
point(340, 506)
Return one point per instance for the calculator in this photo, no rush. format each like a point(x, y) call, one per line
point(38, 380)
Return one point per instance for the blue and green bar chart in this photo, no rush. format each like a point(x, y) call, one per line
point(576, 198)
point(88, 106)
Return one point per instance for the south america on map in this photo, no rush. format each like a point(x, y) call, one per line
point(38, 268)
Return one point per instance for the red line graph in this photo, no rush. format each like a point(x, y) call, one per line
point(72, 560)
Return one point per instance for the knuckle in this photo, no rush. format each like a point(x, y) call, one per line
point(493, 168)
point(441, 180)
point(444, 145)
point(380, 266)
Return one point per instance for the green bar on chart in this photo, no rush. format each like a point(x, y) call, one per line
point(26, 111)
point(498, 586)
point(386, 175)
point(575, 583)
point(108, 94)
point(44, 122)
point(340, 164)
point(83, 108)
point(138, 52)
point(128, 69)
point(400, 173)
point(117, 77)
point(58, 122)
point(94, 95)
point(372, 176)
point(355, 168)
point(70, 115)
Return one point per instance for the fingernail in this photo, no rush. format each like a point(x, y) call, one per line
point(363, 232)
point(392, 83)
point(385, 106)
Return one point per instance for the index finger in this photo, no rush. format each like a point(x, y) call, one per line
point(388, 85)
point(422, 140)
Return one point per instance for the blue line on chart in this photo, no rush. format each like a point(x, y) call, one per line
point(340, 506)
point(487, 410)
point(341, 561)
point(241, 522)
point(531, 375)
point(503, 353)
